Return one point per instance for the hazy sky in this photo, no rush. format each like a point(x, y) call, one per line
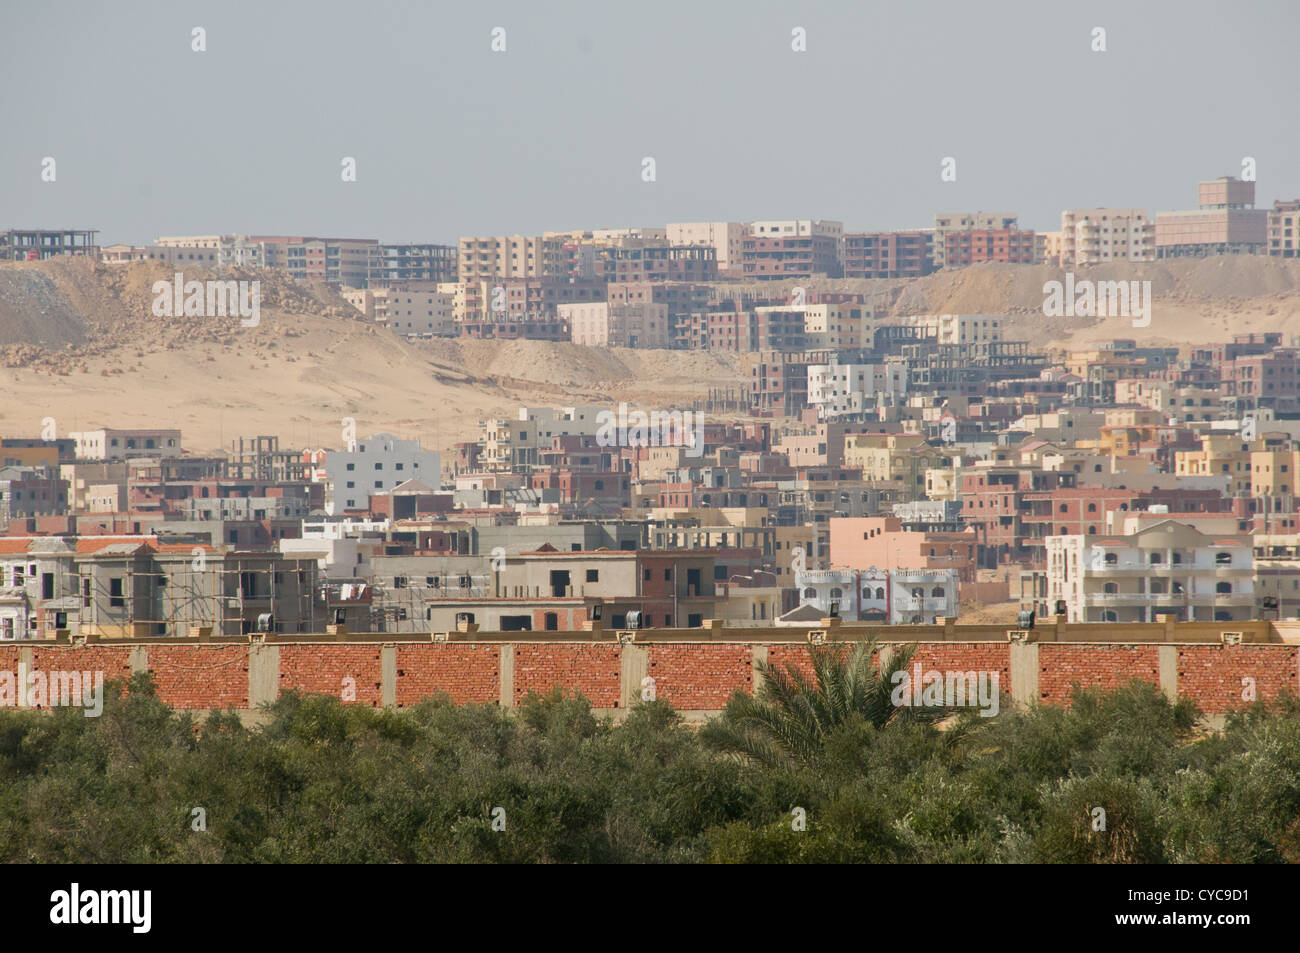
point(151, 138)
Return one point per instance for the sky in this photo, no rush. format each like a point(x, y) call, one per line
point(451, 138)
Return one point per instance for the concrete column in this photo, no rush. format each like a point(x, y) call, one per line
point(25, 667)
point(140, 661)
point(263, 673)
point(507, 667)
point(1024, 673)
point(388, 676)
point(1168, 655)
point(758, 656)
point(634, 664)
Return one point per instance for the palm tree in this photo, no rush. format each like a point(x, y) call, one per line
point(791, 715)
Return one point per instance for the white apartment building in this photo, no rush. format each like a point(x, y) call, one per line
point(960, 328)
point(376, 464)
point(835, 326)
point(727, 239)
point(1095, 235)
point(894, 596)
point(840, 389)
point(1169, 568)
point(600, 324)
point(110, 444)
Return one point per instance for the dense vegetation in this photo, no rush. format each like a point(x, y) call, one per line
point(324, 782)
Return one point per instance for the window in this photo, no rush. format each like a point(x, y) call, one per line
point(1223, 587)
point(593, 575)
point(937, 592)
point(1223, 559)
point(1155, 559)
point(115, 598)
point(810, 593)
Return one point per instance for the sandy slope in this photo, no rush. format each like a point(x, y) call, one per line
point(79, 343)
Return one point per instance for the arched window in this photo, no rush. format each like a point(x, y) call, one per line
point(1092, 531)
point(936, 592)
point(1064, 508)
point(837, 593)
point(880, 593)
point(1223, 559)
point(810, 593)
point(1112, 587)
point(1092, 507)
point(1156, 559)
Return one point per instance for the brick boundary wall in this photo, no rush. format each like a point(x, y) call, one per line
point(694, 676)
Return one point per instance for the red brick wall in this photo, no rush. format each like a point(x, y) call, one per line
point(320, 669)
point(1212, 674)
point(593, 670)
point(695, 677)
point(113, 660)
point(468, 673)
point(1108, 666)
point(967, 657)
point(199, 676)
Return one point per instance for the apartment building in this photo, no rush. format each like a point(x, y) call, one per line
point(1284, 229)
point(487, 258)
point(1090, 236)
point(515, 444)
point(1225, 222)
point(394, 265)
point(888, 254)
point(883, 541)
point(838, 390)
point(775, 257)
point(416, 310)
point(628, 325)
point(375, 464)
point(977, 245)
point(958, 329)
point(962, 222)
point(725, 238)
point(113, 444)
point(1167, 569)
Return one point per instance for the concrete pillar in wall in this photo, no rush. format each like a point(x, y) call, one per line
point(1168, 655)
point(634, 665)
point(758, 655)
point(1024, 673)
point(388, 675)
point(263, 673)
point(507, 673)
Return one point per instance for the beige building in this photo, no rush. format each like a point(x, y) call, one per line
point(422, 313)
point(727, 239)
point(485, 258)
point(965, 222)
point(1166, 569)
point(1089, 236)
point(108, 444)
point(960, 328)
point(600, 324)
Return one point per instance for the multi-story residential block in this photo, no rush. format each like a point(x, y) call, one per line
point(888, 254)
point(515, 444)
point(962, 222)
point(776, 257)
point(838, 390)
point(394, 265)
point(1089, 236)
point(976, 245)
point(883, 541)
point(628, 325)
point(644, 262)
point(1284, 229)
point(375, 464)
point(958, 329)
point(114, 444)
point(487, 258)
point(1226, 222)
point(416, 310)
point(1167, 569)
point(725, 238)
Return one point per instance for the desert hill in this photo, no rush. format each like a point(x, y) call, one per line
point(79, 343)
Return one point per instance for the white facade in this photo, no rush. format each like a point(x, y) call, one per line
point(107, 444)
point(838, 389)
point(417, 313)
point(511, 443)
point(376, 464)
point(960, 328)
point(1167, 569)
point(600, 324)
point(1106, 234)
point(725, 238)
point(896, 596)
